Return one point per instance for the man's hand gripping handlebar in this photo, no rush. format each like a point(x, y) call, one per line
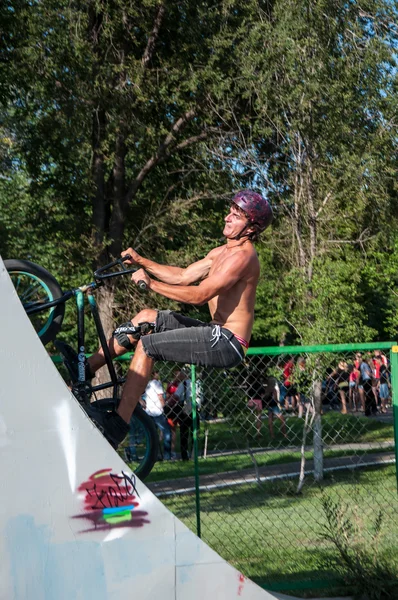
point(101, 274)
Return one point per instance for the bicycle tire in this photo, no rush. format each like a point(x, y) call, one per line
point(34, 283)
point(141, 424)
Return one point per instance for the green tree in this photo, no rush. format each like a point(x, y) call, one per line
point(110, 104)
point(130, 124)
point(320, 138)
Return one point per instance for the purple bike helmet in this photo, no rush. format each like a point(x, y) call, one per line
point(257, 208)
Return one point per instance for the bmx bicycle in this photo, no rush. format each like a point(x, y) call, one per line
point(44, 302)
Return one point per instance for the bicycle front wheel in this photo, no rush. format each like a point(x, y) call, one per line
point(34, 286)
point(140, 448)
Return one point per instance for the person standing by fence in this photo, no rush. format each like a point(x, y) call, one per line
point(271, 401)
point(384, 383)
point(185, 416)
point(172, 408)
point(340, 379)
point(366, 379)
point(361, 393)
point(154, 407)
point(255, 393)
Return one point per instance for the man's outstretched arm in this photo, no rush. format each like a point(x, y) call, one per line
point(233, 268)
point(173, 275)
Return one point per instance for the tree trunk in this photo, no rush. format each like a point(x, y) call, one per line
point(105, 302)
point(317, 432)
point(98, 175)
point(98, 135)
point(306, 429)
point(106, 295)
point(298, 196)
point(119, 198)
point(312, 219)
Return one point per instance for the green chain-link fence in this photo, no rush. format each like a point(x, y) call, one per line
point(289, 435)
point(289, 432)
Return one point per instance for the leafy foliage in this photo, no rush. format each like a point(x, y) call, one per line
point(125, 124)
point(357, 560)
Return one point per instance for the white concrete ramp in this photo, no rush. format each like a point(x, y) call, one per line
point(75, 524)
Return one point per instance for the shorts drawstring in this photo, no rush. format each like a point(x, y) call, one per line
point(216, 334)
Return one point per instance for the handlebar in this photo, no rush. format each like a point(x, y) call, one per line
point(100, 275)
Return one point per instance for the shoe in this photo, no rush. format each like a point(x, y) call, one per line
point(110, 424)
point(71, 362)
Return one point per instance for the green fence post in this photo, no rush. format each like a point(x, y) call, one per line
point(394, 381)
point(195, 448)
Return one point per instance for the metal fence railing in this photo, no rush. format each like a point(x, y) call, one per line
point(273, 443)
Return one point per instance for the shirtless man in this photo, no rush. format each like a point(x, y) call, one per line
point(228, 278)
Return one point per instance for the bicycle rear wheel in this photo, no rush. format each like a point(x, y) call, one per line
point(35, 285)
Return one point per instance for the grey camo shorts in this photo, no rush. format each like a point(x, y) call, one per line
point(182, 339)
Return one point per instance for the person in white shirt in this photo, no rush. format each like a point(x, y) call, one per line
point(185, 420)
point(154, 407)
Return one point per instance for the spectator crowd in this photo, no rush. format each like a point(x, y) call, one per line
point(360, 386)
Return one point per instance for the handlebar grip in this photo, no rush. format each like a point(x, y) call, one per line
point(142, 285)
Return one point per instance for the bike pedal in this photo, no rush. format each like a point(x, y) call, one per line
point(82, 392)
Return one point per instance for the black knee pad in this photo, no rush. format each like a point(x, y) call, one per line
point(122, 332)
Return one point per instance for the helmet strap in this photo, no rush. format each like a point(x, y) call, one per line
point(239, 236)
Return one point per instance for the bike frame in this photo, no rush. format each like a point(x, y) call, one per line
point(79, 294)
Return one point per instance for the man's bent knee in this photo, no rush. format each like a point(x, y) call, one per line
point(148, 315)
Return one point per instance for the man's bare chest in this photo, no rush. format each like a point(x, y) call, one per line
point(218, 264)
point(223, 262)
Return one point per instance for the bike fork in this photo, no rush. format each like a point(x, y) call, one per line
point(81, 350)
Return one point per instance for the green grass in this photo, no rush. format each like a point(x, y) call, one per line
point(272, 535)
point(176, 470)
point(266, 530)
point(238, 431)
point(337, 429)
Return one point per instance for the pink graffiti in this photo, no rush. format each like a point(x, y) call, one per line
point(110, 501)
